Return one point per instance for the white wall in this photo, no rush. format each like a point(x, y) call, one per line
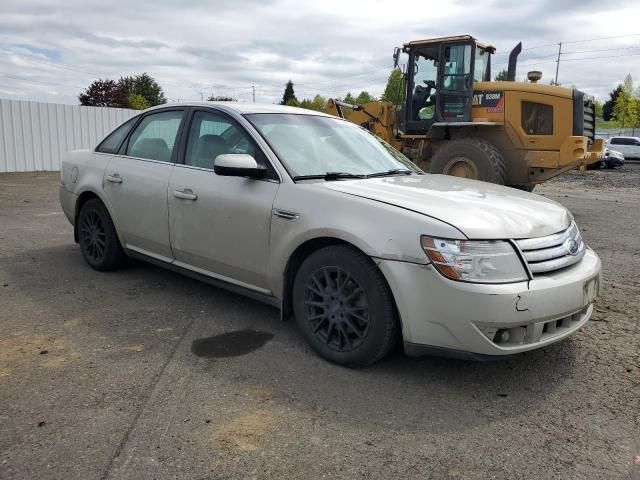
point(34, 135)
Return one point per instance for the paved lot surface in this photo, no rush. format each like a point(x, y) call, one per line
point(121, 375)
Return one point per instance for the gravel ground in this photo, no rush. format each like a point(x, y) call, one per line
point(122, 375)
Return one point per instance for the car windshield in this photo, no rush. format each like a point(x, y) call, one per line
point(316, 146)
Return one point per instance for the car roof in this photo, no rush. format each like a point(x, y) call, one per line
point(243, 108)
point(625, 136)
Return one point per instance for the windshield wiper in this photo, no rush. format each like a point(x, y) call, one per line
point(329, 176)
point(395, 171)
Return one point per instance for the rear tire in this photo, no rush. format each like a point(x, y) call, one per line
point(344, 308)
point(98, 239)
point(470, 158)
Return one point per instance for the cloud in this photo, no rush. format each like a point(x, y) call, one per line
point(51, 51)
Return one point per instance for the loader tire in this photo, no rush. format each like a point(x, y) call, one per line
point(470, 158)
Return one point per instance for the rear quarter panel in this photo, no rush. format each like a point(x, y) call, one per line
point(81, 171)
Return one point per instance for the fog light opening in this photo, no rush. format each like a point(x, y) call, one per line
point(502, 336)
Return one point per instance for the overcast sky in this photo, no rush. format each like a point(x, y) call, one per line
point(51, 50)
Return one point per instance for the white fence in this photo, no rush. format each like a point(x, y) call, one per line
point(34, 135)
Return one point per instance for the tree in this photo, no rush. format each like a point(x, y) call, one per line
point(146, 86)
point(501, 76)
point(104, 93)
point(364, 97)
point(394, 91)
point(289, 97)
point(598, 108)
point(349, 98)
point(625, 109)
point(220, 98)
point(137, 102)
point(318, 103)
point(607, 108)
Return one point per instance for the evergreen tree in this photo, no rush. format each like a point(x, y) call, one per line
point(289, 97)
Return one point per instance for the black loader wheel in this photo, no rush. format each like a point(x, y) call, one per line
point(470, 158)
point(344, 307)
point(98, 239)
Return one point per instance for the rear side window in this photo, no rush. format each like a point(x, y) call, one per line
point(537, 118)
point(155, 136)
point(112, 143)
point(617, 141)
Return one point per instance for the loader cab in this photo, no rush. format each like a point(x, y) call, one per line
point(439, 81)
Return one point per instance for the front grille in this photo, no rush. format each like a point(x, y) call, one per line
point(584, 115)
point(553, 252)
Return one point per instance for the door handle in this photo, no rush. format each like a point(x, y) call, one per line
point(115, 178)
point(186, 194)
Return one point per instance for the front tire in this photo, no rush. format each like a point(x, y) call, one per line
point(470, 158)
point(98, 239)
point(595, 166)
point(344, 308)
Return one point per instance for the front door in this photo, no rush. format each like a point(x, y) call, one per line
point(136, 180)
point(455, 90)
point(221, 226)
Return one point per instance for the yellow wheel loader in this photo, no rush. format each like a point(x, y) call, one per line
point(456, 121)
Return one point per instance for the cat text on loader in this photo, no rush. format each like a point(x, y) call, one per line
point(455, 120)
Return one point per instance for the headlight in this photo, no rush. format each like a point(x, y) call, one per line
point(487, 261)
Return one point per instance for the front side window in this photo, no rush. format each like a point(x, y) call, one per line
point(311, 145)
point(155, 137)
point(212, 134)
point(457, 67)
point(112, 143)
point(537, 118)
point(424, 85)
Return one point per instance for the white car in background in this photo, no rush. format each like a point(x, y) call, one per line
point(319, 217)
point(628, 146)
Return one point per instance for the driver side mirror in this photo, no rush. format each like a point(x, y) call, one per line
point(238, 165)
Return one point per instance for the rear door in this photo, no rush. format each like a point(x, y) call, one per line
point(455, 91)
point(221, 226)
point(136, 182)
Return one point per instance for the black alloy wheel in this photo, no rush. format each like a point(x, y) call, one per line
point(337, 309)
point(97, 236)
point(344, 307)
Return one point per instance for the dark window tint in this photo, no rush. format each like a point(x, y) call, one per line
point(155, 136)
point(537, 118)
point(624, 141)
point(112, 143)
point(212, 134)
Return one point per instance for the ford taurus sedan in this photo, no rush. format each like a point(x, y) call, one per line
point(322, 219)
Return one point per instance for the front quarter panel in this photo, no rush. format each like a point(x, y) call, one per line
point(376, 228)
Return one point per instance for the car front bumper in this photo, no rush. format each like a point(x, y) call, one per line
point(468, 319)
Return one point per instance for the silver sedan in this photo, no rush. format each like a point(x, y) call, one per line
point(322, 219)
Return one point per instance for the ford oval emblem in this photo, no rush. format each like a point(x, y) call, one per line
point(572, 246)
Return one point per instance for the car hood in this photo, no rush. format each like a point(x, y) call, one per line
point(479, 210)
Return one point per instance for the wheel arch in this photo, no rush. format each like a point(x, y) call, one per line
point(303, 251)
point(83, 198)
